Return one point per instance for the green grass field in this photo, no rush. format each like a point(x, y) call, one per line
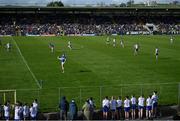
point(92, 69)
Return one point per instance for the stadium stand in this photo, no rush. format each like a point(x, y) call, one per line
point(76, 22)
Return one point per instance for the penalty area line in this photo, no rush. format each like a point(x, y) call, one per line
point(25, 62)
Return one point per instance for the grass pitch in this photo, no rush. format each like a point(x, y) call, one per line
point(97, 68)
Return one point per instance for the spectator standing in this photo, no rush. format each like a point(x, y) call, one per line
point(113, 104)
point(33, 113)
point(105, 105)
point(141, 106)
point(126, 107)
point(64, 105)
point(92, 107)
point(119, 108)
point(86, 110)
point(133, 106)
point(26, 111)
point(154, 103)
point(7, 111)
point(73, 110)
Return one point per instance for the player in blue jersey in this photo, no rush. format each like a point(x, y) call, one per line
point(62, 59)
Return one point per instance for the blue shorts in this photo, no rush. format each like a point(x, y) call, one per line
point(155, 105)
point(127, 109)
point(140, 107)
point(119, 108)
point(113, 110)
point(148, 108)
point(105, 109)
point(133, 106)
point(6, 118)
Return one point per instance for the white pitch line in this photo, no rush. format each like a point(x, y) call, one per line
point(25, 62)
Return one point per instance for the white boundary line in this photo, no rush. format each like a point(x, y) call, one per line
point(25, 62)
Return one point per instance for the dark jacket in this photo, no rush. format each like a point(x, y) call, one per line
point(64, 105)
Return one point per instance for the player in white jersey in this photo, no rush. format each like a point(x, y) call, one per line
point(133, 106)
point(7, 111)
point(51, 46)
point(113, 104)
point(26, 111)
point(122, 43)
point(126, 107)
point(154, 103)
point(171, 40)
point(17, 113)
point(119, 108)
point(148, 107)
point(107, 41)
point(8, 46)
point(141, 106)
point(35, 105)
point(114, 42)
point(69, 45)
point(156, 53)
point(62, 59)
point(33, 112)
point(136, 49)
point(105, 105)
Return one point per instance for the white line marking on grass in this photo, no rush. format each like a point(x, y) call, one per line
point(25, 62)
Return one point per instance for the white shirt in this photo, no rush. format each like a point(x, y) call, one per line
point(33, 112)
point(133, 100)
point(114, 40)
point(126, 103)
point(149, 102)
point(8, 45)
point(113, 104)
point(141, 101)
point(156, 50)
point(154, 98)
point(16, 113)
point(136, 46)
point(105, 103)
point(35, 105)
point(119, 103)
point(25, 110)
point(6, 111)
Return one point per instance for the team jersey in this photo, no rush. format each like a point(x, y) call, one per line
point(141, 101)
point(149, 102)
point(8, 45)
point(33, 112)
point(154, 98)
point(35, 105)
point(133, 101)
point(51, 45)
point(119, 103)
point(25, 111)
point(113, 104)
point(105, 103)
point(156, 51)
point(6, 111)
point(17, 113)
point(62, 58)
point(126, 103)
point(114, 40)
point(136, 46)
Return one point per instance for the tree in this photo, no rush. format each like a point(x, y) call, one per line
point(130, 3)
point(55, 4)
point(175, 2)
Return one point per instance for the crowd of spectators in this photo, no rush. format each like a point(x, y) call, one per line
point(112, 109)
point(19, 111)
point(97, 25)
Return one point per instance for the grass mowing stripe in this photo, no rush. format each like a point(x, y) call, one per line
point(25, 62)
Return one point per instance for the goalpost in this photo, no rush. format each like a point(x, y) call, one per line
point(7, 95)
